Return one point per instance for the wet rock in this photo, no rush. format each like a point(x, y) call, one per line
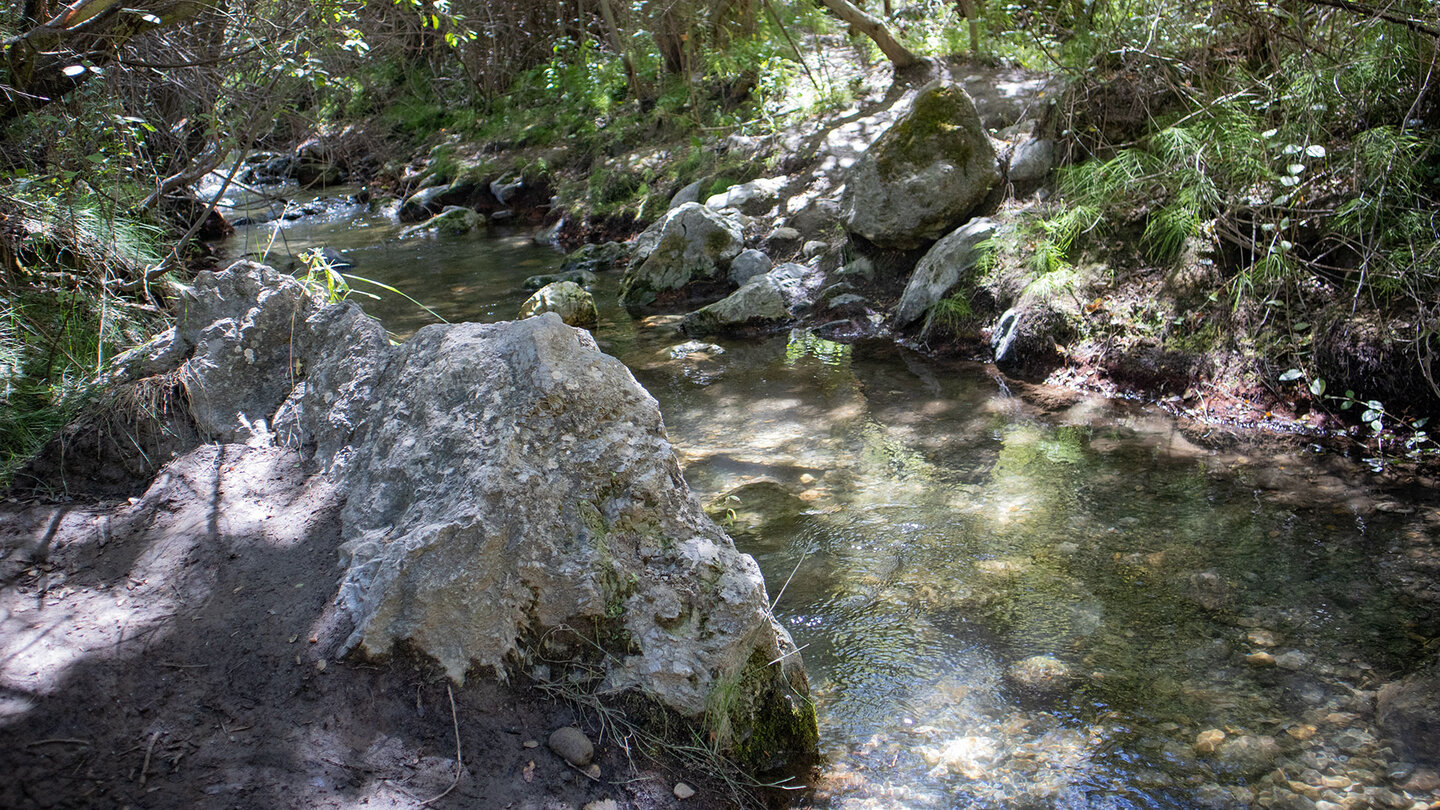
point(574, 305)
point(692, 348)
point(753, 198)
point(1408, 711)
point(1249, 754)
point(1421, 781)
point(427, 202)
point(1293, 660)
point(314, 164)
point(949, 263)
point(748, 265)
point(1260, 659)
point(925, 175)
point(1261, 638)
point(691, 244)
point(1040, 676)
point(571, 745)
point(505, 190)
point(1208, 741)
point(453, 221)
point(1027, 338)
point(970, 757)
point(1208, 590)
point(584, 278)
point(759, 304)
point(596, 258)
point(755, 508)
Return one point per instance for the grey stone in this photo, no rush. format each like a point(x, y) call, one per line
point(951, 261)
point(817, 218)
point(596, 258)
point(749, 264)
point(753, 198)
point(1031, 160)
point(859, 268)
point(453, 221)
point(814, 248)
point(571, 745)
point(688, 194)
point(925, 175)
point(504, 190)
point(691, 243)
point(783, 240)
point(1040, 676)
point(760, 303)
point(569, 300)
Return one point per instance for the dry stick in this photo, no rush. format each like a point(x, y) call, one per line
point(149, 749)
point(58, 741)
point(459, 763)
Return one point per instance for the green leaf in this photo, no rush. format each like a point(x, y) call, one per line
point(1370, 415)
point(1315, 151)
point(1292, 375)
point(1317, 386)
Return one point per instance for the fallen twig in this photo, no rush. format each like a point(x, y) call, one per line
point(149, 749)
point(57, 741)
point(459, 763)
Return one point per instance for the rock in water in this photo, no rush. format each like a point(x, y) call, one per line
point(569, 300)
point(690, 244)
point(1409, 711)
point(506, 485)
point(925, 175)
point(572, 745)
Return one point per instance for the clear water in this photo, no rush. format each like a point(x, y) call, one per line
point(926, 531)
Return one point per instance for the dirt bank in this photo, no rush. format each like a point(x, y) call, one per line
point(179, 651)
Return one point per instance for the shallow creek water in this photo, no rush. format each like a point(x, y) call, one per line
point(1001, 606)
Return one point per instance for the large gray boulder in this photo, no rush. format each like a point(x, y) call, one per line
point(923, 176)
point(689, 244)
point(569, 300)
point(952, 260)
point(510, 495)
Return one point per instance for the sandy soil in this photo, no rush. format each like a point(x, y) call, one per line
point(179, 651)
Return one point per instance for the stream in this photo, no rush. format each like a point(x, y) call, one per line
point(1002, 605)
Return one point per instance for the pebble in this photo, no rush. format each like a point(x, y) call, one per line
point(572, 745)
point(1260, 659)
point(1207, 741)
point(531, 743)
point(603, 804)
point(683, 791)
point(1422, 781)
point(1261, 638)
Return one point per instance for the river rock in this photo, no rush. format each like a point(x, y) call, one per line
point(748, 265)
point(783, 241)
point(951, 262)
point(759, 304)
point(1040, 675)
point(571, 745)
point(574, 305)
point(1026, 340)
point(756, 507)
point(584, 278)
point(925, 175)
point(453, 221)
point(1408, 711)
point(596, 258)
point(427, 202)
point(1249, 754)
point(315, 164)
point(753, 198)
point(502, 483)
point(691, 244)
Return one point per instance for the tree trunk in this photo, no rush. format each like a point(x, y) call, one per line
point(617, 41)
point(873, 28)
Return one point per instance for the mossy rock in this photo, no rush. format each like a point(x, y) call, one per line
point(925, 175)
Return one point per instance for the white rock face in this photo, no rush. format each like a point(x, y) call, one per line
point(506, 486)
